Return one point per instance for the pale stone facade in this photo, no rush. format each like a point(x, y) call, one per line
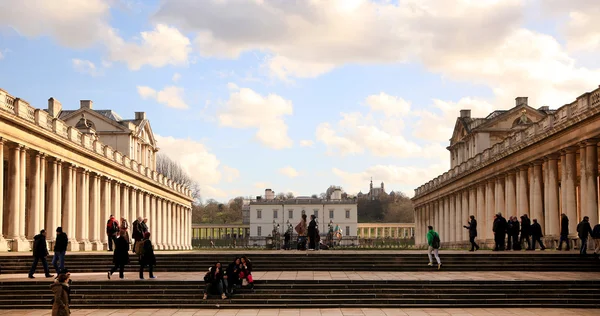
point(536, 162)
point(386, 230)
point(56, 173)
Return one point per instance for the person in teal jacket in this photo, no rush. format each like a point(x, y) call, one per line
point(433, 240)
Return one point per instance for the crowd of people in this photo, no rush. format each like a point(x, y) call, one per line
point(224, 280)
point(515, 235)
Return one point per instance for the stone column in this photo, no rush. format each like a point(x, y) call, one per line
point(536, 196)
point(147, 206)
point(125, 210)
point(457, 219)
point(153, 220)
point(591, 175)
point(14, 200)
point(489, 208)
point(187, 229)
point(500, 203)
point(568, 190)
point(522, 190)
point(82, 211)
point(42, 195)
point(436, 215)
point(140, 204)
point(3, 242)
point(465, 213)
point(177, 227)
point(68, 218)
point(552, 214)
point(481, 208)
point(95, 222)
point(115, 199)
point(33, 211)
point(582, 181)
point(53, 199)
point(133, 210)
point(169, 229)
point(105, 194)
point(22, 193)
point(510, 193)
point(159, 230)
point(545, 172)
point(451, 219)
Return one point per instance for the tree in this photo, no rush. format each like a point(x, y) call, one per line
point(281, 196)
point(214, 212)
point(173, 170)
point(314, 196)
point(289, 195)
point(393, 208)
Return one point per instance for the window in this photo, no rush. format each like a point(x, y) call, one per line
point(347, 230)
point(291, 214)
point(259, 233)
point(347, 214)
point(275, 214)
point(258, 213)
point(316, 213)
point(330, 213)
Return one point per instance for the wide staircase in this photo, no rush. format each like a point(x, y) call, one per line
point(311, 294)
point(329, 261)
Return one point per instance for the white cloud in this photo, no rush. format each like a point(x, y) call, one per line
point(85, 67)
point(306, 143)
point(397, 178)
point(289, 172)
point(248, 109)
point(582, 29)
point(197, 161)
point(1, 55)
point(165, 45)
point(176, 77)
point(389, 105)
point(262, 185)
point(230, 173)
point(170, 96)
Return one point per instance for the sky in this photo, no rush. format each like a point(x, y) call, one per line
point(299, 95)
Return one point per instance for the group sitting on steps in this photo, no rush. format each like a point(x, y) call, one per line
point(223, 281)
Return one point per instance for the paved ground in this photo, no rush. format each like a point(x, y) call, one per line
point(222, 251)
point(335, 275)
point(318, 312)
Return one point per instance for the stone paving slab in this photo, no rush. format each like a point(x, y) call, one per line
point(319, 312)
point(433, 275)
point(250, 252)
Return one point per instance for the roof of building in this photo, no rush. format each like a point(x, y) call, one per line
point(302, 201)
point(106, 113)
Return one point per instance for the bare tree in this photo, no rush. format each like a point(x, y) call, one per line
point(174, 171)
point(289, 195)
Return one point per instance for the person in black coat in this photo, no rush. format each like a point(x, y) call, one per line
point(147, 257)
point(40, 252)
point(247, 271)
point(564, 232)
point(214, 281)
point(584, 229)
point(499, 229)
point(514, 234)
point(525, 231)
point(136, 232)
point(120, 256)
point(232, 275)
point(312, 233)
point(472, 227)
point(60, 250)
point(536, 235)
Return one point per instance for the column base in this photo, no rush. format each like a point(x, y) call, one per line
point(3, 244)
point(73, 245)
point(85, 245)
point(160, 246)
point(20, 245)
point(97, 246)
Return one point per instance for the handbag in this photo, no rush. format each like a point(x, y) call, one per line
point(244, 282)
point(250, 280)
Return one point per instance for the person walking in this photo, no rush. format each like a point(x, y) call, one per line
point(60, 250)
point(302, 230)
point(499, 229)
point(584, 229)
point(596, 238)
point(144, 226)
point(147, 258)
point(472, 227)
point(136, 232)
point(525, 231)
point(40, 252)
point(112, 228)
point(60, 289)
point(124, 230)
point(514, 234)
point(433, 240)
point(536, 235)
point(564, 232)
point(312, 235)
point(120, 256)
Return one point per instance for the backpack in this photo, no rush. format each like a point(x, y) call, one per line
point(435, 243)
point(596, 231)
point(139, 248)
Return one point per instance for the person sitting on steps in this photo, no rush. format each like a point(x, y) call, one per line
point(214, 281)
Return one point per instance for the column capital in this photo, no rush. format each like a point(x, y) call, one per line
point(95, 175)
point(522, 168)
point(537, 162)
point(1, 140)
point(569, 150)
point(553, 156)
point(589, 142)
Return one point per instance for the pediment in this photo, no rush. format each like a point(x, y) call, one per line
point(460, 131)
point(100, 122)
point(145, 133)
point(508, 119)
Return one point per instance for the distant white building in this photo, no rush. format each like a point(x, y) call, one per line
point(268, 213)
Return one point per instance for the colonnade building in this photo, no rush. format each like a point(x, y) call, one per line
point(538, 162)
point(76, 168)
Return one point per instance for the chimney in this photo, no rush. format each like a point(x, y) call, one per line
point(521, 101)
point(86, 104)
point(54, 107)
point(465, 113)
point(140, 115)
